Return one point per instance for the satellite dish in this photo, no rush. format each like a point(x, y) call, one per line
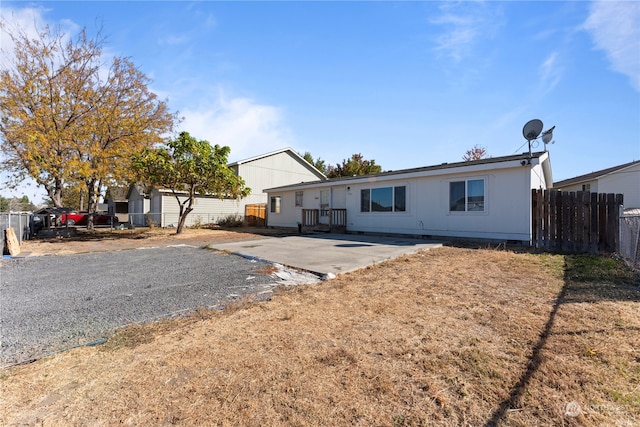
point(547, 135)
point(532, 129)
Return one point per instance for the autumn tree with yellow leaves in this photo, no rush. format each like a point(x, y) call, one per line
point(70, 116)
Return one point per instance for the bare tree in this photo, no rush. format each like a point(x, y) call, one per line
point(476, 153)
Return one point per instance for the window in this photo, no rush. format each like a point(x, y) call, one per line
point(324, 202)
point(399, 198)
point(298, 199)
point(384, 199)
point(586, 187)
point(365, 200)
point(275, 204)
point(466, 196)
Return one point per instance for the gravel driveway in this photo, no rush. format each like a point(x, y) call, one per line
point(52, 303)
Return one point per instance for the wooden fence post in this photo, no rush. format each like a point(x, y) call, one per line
point(593, 234)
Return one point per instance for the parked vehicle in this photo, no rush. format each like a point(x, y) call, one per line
point(82, 218)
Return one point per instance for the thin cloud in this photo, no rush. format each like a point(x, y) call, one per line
point(615, 29)
point(173, 40)
point(550, 73)
point(246, 126)
point(464, 28)
point(28, 20)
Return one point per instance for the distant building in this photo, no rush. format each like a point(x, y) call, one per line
point(622, 179)
point(281, 167)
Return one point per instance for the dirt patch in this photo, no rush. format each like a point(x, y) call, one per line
point(448, 337)
point(104, 240)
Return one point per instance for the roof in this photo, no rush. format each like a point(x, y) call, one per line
point(282, 150)
point(118, 193)
point(53, 211)
point(593, 175)
point(424, 169)
point(139, 187)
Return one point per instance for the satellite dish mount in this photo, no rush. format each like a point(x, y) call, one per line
point(531, 131)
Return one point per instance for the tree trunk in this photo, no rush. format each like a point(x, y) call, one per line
point(92, 204)
point(56, 198)
point(184, 211)
point(183, 218)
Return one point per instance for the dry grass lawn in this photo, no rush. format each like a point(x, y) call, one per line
point(448, 337)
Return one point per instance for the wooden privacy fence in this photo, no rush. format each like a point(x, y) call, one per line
point(256, 214)
point(576, 222)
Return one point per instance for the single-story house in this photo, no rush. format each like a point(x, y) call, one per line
point(622, 179)
point(487, 199)
point(277, 168)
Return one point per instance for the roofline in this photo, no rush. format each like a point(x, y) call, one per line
point(492, 160)
point(594, 175)
point(282, 150)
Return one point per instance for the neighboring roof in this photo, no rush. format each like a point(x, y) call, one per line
point(118, 193)
point(593, 175)
point(491, 160)
point(282, 150)
point(139, 187)
point(54, 211)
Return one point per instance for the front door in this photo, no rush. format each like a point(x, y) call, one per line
point(324, 207)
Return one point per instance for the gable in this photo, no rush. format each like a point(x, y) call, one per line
point(276, 169)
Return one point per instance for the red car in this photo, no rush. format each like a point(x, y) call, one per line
point(81, 218)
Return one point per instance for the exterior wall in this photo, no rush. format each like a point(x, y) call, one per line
point(625, 181)
point(206, 210)
point(506, 215)
point(272, 171)
point(507, 199)
point(138, 207)
point(281, 168)
point(290, 214)
point(593, 187)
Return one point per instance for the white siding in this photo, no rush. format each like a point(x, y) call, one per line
point(139, 205)
point(271, 171)
point(274, 171)
point(506, 215)
point(625, 181)
point(206, 210)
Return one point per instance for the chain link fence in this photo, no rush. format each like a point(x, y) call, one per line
point(630, 239)
point(21, 222)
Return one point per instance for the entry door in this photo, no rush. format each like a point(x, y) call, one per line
point(324, 207)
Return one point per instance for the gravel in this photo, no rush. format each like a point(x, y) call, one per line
point(52, 303)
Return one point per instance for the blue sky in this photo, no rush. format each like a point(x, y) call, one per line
point(405, 83)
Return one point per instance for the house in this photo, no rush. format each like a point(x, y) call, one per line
point(622, 179)
point(482, 199)
point(277, 168)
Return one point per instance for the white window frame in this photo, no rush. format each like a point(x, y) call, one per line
point(274, 204)
point(466, 210)
point(393, 200)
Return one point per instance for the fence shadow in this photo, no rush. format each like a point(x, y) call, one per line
point(585, 280)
